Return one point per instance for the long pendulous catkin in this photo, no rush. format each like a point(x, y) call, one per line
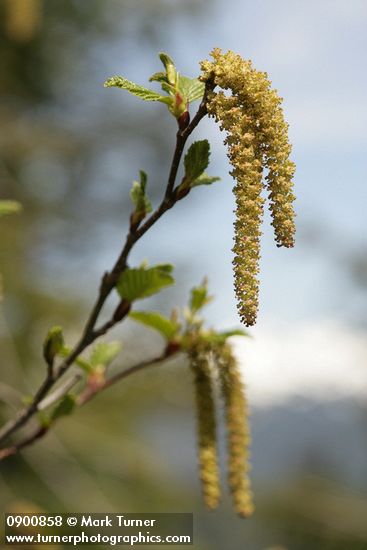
point(206, 424)
point(238, 436)
point(257, 141)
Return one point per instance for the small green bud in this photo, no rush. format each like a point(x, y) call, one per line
point(178, 106)
point(53, 344)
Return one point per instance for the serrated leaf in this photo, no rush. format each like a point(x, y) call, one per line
point(136, 89)
point(64, 407)
point(191, 88)
point(165, 326)
point(158, 77)
point(199, 297)
point(9, 207)
point(104, 353)
point(204, 179)
point(139, 283)
point(196, 160)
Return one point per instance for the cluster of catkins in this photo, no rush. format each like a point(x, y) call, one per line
point(257, 141)
point(211, 361)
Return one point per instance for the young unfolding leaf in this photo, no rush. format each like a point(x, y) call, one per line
point(168, 328)
point(196, 160)
point(169, 65)
point(80, 361)
point(9, 207)
point(199, 297)
point(136, 89)
point(204, 179)
point(159, 77)
point(221, 337)
point(181, 90)
point(64, 407)
point(104, 353)
point(139, 283)
point(140, 199)
point(191, 88)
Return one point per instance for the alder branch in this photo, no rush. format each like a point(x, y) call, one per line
point(87, 395)
point(109, 280)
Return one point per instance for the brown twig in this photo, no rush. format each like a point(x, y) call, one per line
point(83, 398)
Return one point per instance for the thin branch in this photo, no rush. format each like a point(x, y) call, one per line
point(9, 451)
point(59, 392)
point(110, 279)
point(83, 398)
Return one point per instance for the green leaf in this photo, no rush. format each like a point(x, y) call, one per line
point(159, 77)
point(196, 160)
point(221, 337)
point(64, 407)
point(53, 344)
point(199, 297)
point(165, 326)
point(136, 89)
point(104, 353)
point(191, 88)
point(204, 179)
point(165, 268)
point(170, 68)
point(80, 361)
point(83, 364)
point(138, 195)
point(139, 283)
point(143, 179)
point(9, 207)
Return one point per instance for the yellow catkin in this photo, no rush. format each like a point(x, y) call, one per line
point(238, 435)
point(257, 141)
point(206, 424)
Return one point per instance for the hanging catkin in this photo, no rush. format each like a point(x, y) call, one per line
point(206, 423)
point(257, 141)
point(238, 436)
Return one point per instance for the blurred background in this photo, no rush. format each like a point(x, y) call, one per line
point(69, 151)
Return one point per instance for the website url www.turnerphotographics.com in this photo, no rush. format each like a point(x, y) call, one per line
point(109, 529)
